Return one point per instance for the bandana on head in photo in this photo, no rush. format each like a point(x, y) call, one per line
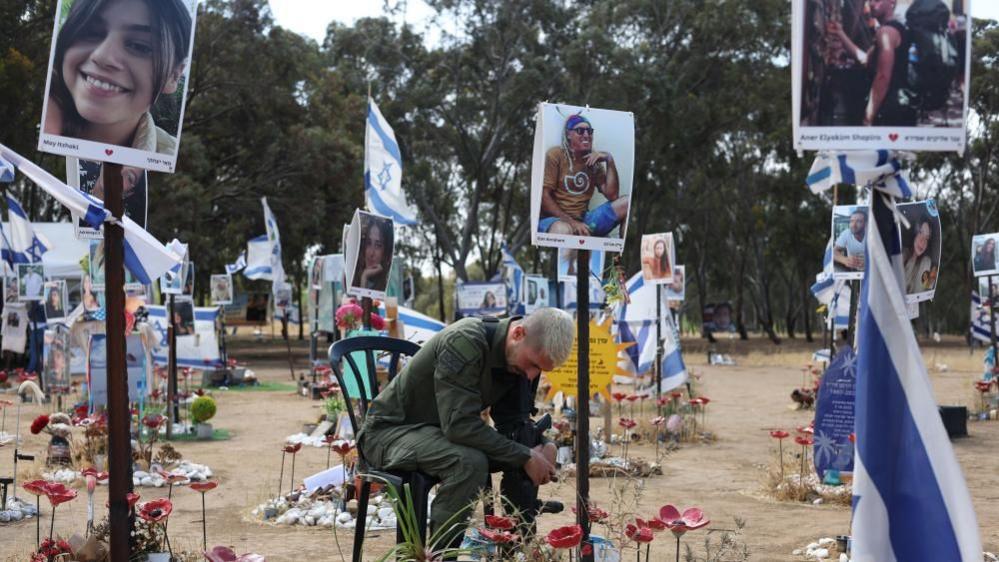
point(574, 120)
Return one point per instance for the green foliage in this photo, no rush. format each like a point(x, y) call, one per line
point(334, 406)
point(202, 409)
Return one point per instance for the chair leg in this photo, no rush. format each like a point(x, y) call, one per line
point(422, 500)
point(361, 520)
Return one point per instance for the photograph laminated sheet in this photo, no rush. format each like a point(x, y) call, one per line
point(199, 349)
point(567, 259)
point(717, 317)
point(568, 288)
point(983, 254)
point(30, 281)
point(581, 177)
point(657, 257)
point(56, 302)
point(921, 247)
point(96, 265)
point(9, 289)
point(97, 369)
point(536, 293)
point(875, 75)
point(369, 243)
point(481, 299)
point(849, 227)
point(88, 177)
point(221, 288)
point(676, 291)
point(56, 358)
point(183, 317)
point(116, 87)
point(173, 283)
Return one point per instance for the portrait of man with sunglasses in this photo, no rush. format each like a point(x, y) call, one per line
point(574, 171)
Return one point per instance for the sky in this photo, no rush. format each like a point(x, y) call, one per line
point(310, 17)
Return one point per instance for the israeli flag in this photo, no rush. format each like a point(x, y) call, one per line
point(24, 246)
point(258, 258)
point(238, 266)
point(145, 257)
point(636, 322)
point(825, 286)
point(979, 320)
point(839, 307)
point(274, 239)
point(6, 172)
point(383, 170)
point(879, 169)
point(910, 498)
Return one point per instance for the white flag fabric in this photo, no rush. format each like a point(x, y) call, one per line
point(980, 319)
point(910, 500)
point(24, 246)
point(258, 258)
point(636, 322)
point(145, 257)
point(383, 170)
point(274, 239)
point(880, 169)
point(238, 265)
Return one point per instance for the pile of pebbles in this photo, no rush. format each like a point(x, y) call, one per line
point(16, 510)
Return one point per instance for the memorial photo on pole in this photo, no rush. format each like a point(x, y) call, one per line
point(96, 264)
point(173, 283)
point(875, 74)
point(88, 177)
point(567, 264)
point(849, 226)
point(370, 243)
point(657, 257)
point(221, 289)
point(30, 281)
point(983, 254)
point(56, 354)
point(117, 81)
point(581, 177)
point(921, 244)
point(676, 290)
point(183, 317)
point(481, 299)
point(717, 317)
point(537, 293)
point(9, 289)
point(55, 301)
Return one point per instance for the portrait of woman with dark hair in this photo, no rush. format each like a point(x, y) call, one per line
point(375, 256)
point(115, 65)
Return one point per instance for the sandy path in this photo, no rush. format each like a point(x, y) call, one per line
point(723, 478)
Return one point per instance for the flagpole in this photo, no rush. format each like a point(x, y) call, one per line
point(992, 321)
point(659, 340)
point(173, 411)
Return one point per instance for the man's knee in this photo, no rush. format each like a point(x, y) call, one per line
point(472, 462)
point(620, 206)
point(560, 227)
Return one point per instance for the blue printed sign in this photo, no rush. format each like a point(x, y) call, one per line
point(834, 412)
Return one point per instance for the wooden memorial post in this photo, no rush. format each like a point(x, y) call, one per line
point(583, 402)
point(173, 411)
point(119, 438)
point(992, 321)
point(659, 339)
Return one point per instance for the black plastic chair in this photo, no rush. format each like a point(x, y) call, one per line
point(420, 484)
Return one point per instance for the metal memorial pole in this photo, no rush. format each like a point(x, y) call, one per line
point(583, 401)
point(659, 340)
point(992, 320)
point(119, 439)
point(173, 411)
point(366, 305)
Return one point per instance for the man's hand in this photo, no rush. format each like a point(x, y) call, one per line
point(856, 262)
point(538, 467)
point(594, 157)
point(579, 228)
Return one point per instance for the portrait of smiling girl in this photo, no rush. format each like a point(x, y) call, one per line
point(114, 63)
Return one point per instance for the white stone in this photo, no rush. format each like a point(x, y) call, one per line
point(826, 542)
point(344, 517)
point(16, 515)
point(812, 546)
point(4, 516)
point(843, 557)
point(146, 481)
point(821, 553)
point(796, 552)
point(140, 474)
point(309, 520)
point(371, 510)
point(817, 501)
point(385, 513)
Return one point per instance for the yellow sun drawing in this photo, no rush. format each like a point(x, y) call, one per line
point(604, 356)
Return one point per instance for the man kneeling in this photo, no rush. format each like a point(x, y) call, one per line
point(429, 417)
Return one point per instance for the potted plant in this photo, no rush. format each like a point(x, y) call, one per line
point(202, 410)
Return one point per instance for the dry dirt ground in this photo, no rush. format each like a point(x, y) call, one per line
point(724, 478)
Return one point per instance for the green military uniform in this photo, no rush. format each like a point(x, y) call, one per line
point(428, 418)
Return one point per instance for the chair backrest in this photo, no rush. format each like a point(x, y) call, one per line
point(348, 349)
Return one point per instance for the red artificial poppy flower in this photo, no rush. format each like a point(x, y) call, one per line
point(58, 493)
point(640, 534)
point(619, 396)
point(377, 322)
point(153, 421)
point(806, 429)
point(983, 386)
point(696, 402)
point(627, 423)
point(132, 498)
point(676, 395)
point(656, 524)
point(803, 440)
point(199, 392)
point(91, 471)
point(3, 376)
point(5, 403)
point(39, 424)
point(342, 447)
point(704, 400)
point(632, 398)
point(155, 511)
point(779, 434)
point(226, 554)
point(205, 486)
point(679, 523)
point(292, 448)
point(499, 522)
point(498, 537)
point(662, 401)
point(35, 487)
point(565, 537)
point(595, 513)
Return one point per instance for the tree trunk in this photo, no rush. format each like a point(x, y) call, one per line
point(301, 313)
